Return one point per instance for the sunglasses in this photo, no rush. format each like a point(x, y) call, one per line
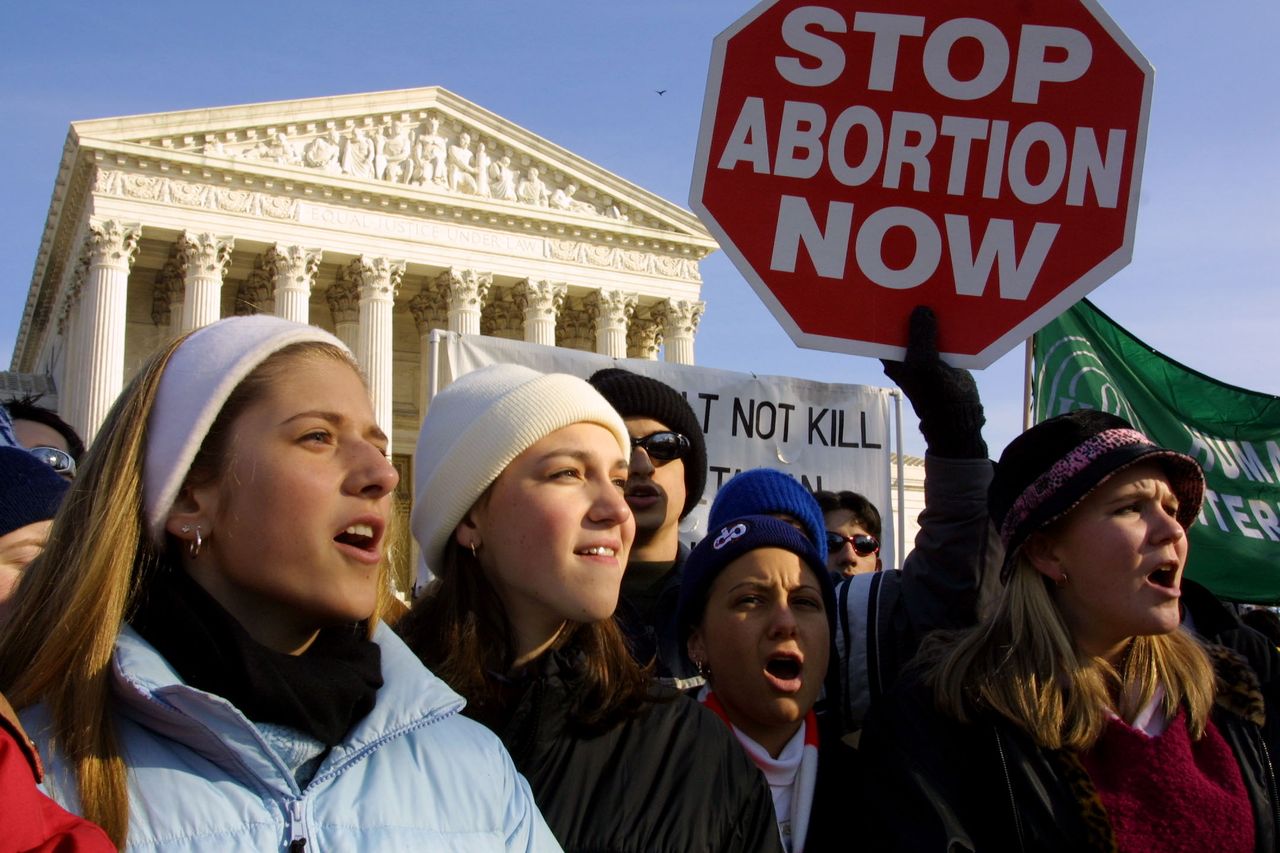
point(663, 446)
point(59, 460)
point(863, 544)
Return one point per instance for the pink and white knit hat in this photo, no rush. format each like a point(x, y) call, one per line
point(1048, 470)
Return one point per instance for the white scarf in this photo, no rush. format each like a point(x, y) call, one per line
point(792, 776)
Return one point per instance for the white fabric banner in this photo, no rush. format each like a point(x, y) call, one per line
point(827, 435)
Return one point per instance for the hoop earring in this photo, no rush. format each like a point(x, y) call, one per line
point(474, 548)
point(1061, 581)
point(193, 547)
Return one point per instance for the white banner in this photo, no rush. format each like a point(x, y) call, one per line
point(827, 435)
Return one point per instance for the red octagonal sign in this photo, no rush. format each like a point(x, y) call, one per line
point(859, 158)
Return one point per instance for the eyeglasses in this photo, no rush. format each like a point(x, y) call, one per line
point(59, 460)
point(663, 446)
point(864, 545)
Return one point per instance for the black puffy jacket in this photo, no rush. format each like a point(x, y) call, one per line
point(671, 778)
point(935, 784)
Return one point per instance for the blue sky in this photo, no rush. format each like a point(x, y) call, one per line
point(1201, 287)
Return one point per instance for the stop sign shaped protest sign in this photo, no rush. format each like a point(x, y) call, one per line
point(860, 157)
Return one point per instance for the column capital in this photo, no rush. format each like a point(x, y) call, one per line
point(613, 307)
point(679, 317)
point(202, 253)
point(113, 243)
point(430, 309)
point(343, 297)
point(539, 297)
point(644, 335)
point(167, 290)
point(465, 289)
point(293, 265)
point(503, 319)
point(255, 294)
point(376, 278)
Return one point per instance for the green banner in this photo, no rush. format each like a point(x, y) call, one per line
point(1085, 361)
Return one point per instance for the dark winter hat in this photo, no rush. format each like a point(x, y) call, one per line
point(1048, 470)
point(764, 491)
point(636, 396)
point(727, 542)
point(30, 490)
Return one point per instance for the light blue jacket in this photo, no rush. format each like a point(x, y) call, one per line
point(412, 775)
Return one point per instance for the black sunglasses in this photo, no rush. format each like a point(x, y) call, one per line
point(863, 544)
point(663, 446)
point(59, 460)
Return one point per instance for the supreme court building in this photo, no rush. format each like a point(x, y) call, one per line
point(379, 217)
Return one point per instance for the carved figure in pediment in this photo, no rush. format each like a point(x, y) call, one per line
point(357, 160)
point(462, 173)
point(563, 199)
point(259, 151)
point(323, 153)
point(531, 189)
point(430, 155)
point(391, 158)
point(280, 149)
point(214, 148)
point(483, 161)
point(502, 179)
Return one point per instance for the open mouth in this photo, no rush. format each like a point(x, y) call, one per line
point(358, 536)
point(1166, 577)
point(783, 668)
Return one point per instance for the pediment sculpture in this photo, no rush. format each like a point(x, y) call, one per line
point(424, 156)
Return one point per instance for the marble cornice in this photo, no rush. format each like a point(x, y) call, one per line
point(310, 185)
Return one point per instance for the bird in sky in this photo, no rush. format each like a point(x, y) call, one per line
point(661, 91)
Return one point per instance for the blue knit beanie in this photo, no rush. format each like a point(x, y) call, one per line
point(30, 490)
point(727, 542)
point(764, 491)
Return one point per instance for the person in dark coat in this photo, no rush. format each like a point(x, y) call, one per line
point(1078, 714)
point(665, 480)
point(522, 520)
point(882, 617)
point(757, 609)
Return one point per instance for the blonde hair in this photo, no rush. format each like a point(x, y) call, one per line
point(1021, 663)
point(73, 599)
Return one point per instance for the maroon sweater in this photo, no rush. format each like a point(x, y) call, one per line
point(1170, 793)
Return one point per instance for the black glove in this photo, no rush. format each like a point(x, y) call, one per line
point(945, 398)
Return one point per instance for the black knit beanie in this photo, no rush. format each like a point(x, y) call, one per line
point(30, 490)
point(636, 396)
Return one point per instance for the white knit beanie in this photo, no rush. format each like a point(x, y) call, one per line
point(199, 377)
point(476, 426)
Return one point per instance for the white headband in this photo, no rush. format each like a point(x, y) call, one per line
point(199, 377)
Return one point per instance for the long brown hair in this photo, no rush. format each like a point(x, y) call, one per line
point(461, 632)
point(72, 600)
point(1021, 663)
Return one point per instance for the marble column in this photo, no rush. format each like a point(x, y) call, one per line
point(611, 309)
point(343, 297)
point(680, 318)
point(644, 335)
point(112, 246)
point(466, 292)
point(430, 310)
point(69, 389)
point(256, 294)
point(295, 272)
point(378, 280)
point(170, 290)
point(205, 259)
point(541, 301)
